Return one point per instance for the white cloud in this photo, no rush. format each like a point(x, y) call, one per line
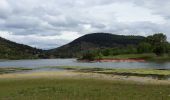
point(5, 9)
point(45, 24)
point(40, 41)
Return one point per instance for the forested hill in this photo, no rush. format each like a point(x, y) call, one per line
point(95, 41)
point(12, 50)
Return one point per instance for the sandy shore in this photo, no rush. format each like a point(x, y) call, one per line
point(80, 75)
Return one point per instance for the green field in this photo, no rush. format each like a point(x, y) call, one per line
point(80, 89)
point(81, 84)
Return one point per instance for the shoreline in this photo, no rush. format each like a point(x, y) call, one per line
point(114, 60)
point(81, 75)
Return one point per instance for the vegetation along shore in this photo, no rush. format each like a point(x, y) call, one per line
point(76, 85)
point(95, 46)
point(152, 48)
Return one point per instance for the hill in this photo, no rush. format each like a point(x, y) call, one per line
point(95, 41)
point(12, 50)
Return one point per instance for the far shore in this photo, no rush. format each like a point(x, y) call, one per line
point(114, 60)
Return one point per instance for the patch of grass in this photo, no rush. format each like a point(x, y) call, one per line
point(147, 57)
point(132, 56)
point(165, 58)
point(80, 89)
point(12, 70)
point(139, 71)
point(154, 73)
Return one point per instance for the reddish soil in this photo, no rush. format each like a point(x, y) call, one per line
point(115, 60)
point(121, 60)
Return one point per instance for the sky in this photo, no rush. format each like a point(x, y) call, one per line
point(49, 24)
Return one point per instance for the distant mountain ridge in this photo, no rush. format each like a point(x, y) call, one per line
point(12, 50)
point(95, 41)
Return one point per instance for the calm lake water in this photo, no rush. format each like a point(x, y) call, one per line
point(72, 62)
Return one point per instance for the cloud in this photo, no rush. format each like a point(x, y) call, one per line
point(39, 41)
point(52, 23)
point(5, 9)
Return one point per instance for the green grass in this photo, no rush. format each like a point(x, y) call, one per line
point(132, 56)
point(138, 71)
point(118, 70)
point(161, 74)
point(154, 73)
point(80, 89)
point(164, 58)
point(147, 57)
point(71, 88)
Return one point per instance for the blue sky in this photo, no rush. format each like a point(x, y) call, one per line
point(52, 23)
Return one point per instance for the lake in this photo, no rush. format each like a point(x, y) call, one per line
point(38, 63)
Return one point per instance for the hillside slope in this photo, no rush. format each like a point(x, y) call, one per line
point(95, 41)
point(12, 50)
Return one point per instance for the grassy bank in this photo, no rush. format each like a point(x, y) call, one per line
point(131, 56)
point(154, 73)
point(71, 88)
point(93, 69)
point(147, 57)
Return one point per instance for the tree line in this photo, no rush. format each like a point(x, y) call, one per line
point(156, 44)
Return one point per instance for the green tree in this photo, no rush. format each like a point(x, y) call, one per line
point(88, 55)
point(144, 47)
point(156, 39)
point(107, 52)
point(99, 55)
point(130, 49)
point(159, 43)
